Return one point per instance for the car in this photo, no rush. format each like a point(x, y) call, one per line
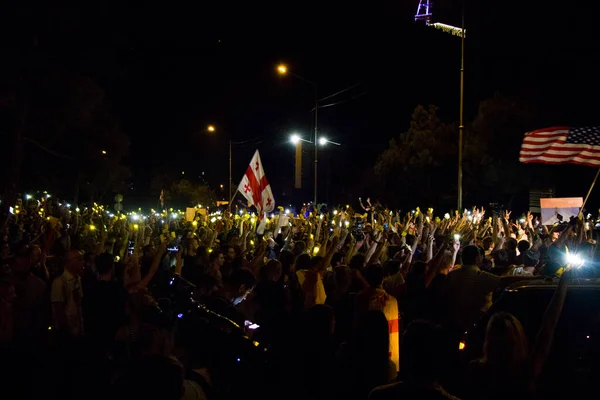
point(574, 358)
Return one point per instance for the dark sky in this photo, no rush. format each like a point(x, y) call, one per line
point(169, 71)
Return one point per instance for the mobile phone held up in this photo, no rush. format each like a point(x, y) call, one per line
point(251, 325)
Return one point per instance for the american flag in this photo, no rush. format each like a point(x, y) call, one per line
point(562, 145)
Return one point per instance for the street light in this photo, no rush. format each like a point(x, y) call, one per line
point(296, 138)
point(323, 142)
point(282, 69)
point(211, 128)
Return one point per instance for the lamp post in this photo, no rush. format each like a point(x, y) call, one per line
point(424, 14)
point(211, 129)
point(297, 140)
point(283, 70)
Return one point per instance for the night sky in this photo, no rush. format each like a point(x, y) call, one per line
point(169, 71)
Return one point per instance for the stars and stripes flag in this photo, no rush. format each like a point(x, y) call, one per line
point(562, 145)
point(255, 187)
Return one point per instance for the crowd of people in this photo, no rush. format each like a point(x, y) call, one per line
point(338, 303)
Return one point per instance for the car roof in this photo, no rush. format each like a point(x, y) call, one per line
point(588, 283)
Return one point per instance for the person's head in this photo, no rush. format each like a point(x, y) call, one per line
point(471, 255)
point(391, 267)
point(73, 262)
point(299, 247)
point(422, 350)
point(271, 243)
point(320, 322)
point(511, 244)
point(216, 258)
point(500, 257)
point(7, 291)
point(148, 251)
point(358, 261)
point(488, 243)
point(105, 265)
point(418, 269)
point(89, 260)
point(342, 277)
point(373, 274)
point(410, 240)
point(446, 263)
point(505, 343)
point(523, 246)
point(35, 254)
point(5, 250)
point(271, 271)
point(21, 263)
point(302, 262)
point(531, 258)
point(229, 253)
point(337, 259)
point(239, 284)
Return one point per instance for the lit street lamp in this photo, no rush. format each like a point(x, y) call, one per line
point(297, 140)
point(323, 142)
point(282, 69)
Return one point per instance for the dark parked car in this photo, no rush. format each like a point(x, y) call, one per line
point(574, 361)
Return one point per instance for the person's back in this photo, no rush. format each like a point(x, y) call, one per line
point(423, 351)
point(468, 291)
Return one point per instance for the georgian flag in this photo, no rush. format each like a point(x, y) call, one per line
point(255, 187)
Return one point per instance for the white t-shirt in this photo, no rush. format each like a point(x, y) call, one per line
point(67, 289)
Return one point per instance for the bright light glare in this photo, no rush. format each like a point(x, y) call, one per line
point(295, 139)
point(574, 260)
point(282, 69)
point(322, 141)
point(211, 128)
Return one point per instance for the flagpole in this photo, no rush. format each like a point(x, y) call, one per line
point(231, 196)
point(589, 192)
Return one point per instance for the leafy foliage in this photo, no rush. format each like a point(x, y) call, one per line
point(417, 159)
point(186, 193)
point(63, 120)
point(420, 165)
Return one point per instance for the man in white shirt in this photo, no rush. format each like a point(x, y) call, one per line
point(66, 296)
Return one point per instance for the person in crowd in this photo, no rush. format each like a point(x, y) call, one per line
point(423, 351)
point(375, 298)
point(67, 296)
point(234, 290)
point(364, 363)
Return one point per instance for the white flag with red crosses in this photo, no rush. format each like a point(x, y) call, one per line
point(255, 187)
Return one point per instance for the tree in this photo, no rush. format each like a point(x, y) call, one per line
point(185, 193)
point(420, 165)
point(63, 130)
point(415, 166)
point(492, 154)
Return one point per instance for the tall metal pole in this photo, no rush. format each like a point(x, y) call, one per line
point(460, 123)
point(316, 144)
point(230, 188)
